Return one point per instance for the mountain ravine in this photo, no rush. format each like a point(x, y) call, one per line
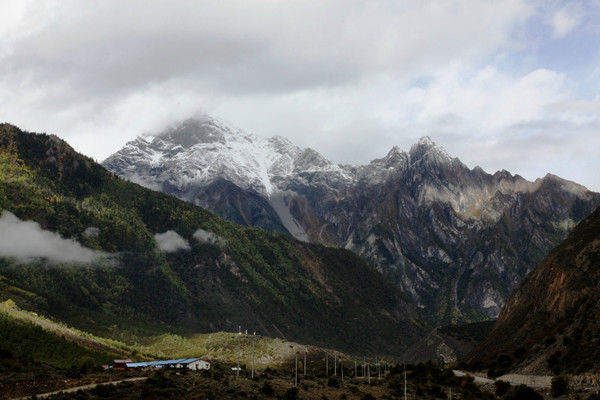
point(550, 322)
point(458, 240)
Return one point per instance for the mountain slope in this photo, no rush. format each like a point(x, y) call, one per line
point(158, 264)
point(551, 321)
point(458, 240)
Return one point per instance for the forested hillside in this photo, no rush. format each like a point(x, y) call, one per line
point(140, 263)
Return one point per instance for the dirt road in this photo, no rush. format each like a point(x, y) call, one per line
point(85, 387)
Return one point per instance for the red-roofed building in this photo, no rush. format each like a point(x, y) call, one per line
point(120, 364)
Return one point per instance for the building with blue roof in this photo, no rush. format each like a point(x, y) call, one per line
point(195, 364)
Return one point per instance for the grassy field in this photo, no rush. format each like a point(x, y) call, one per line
point(39, 328)
point(226, 347)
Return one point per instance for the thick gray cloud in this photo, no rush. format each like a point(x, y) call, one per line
point(110, 47)
point(350, 79)
point(171, 241)
point(26, 241)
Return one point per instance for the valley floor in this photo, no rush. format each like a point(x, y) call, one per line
point(424, 381)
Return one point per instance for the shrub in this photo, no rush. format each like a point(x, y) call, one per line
point(501, 387)
point(504, 361)
point(554, 361)
point(291, 394)
point(523, 392)
point(560, 385)
point(86, 365)
point(267, 390)
point(333, 382)
point(520, 353)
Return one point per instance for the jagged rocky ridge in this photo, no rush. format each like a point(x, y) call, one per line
point(457, 239)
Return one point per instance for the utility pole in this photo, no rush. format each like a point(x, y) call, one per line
point(253, 346)
point(296, 380)
point(237, 372)
point(334, 364)
point(304, 362)
point(326, 364)
point(355, 369)
point(450, 393)
point(369, 372)
point(342, 368)
point(404, 381)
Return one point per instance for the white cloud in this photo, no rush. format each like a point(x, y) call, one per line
point(26, 241)
point(92, 232)
point(356, 124)
point(208, 237)
point(170, 241)
point(100, 73)
point(564, 21)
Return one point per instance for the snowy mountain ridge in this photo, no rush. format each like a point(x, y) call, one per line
point(201, 150)
point(457, 239)
point(198, 151)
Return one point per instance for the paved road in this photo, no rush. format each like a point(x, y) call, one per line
point(534, 381)
point(85, 387)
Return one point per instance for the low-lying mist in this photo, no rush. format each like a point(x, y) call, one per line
point(27, 241)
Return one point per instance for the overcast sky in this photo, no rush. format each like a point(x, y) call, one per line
point(502, 84)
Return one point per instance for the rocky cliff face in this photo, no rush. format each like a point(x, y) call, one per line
point(550, 322)
point(457, 239)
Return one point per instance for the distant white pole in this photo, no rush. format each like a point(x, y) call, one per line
point(304, 362)
point(404, 381)
point(342, 368)
point(450, 393)
point(296, 380)
point(334, 364)
point(369, 372)
point(253, 346)
point(237, 372)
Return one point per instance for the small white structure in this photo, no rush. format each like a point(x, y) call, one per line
point(198, 365)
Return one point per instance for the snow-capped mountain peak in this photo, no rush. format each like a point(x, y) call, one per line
point(427, 149)
point(200, 150)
